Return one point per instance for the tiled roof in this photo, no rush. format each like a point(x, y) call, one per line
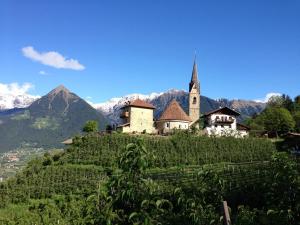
point(242, 127)
point(174, 112)
point(139, 103)
point(224, 110)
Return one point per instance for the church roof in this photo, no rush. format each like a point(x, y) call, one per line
point(224, 110)
point(194, 79)
point(174, 112)
point(140, 104)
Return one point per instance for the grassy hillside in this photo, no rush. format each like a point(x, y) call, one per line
point(198, 170)
point(48, 121)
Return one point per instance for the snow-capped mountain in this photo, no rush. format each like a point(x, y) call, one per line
point(10, 101)
point(108, 106)
point(112, 108)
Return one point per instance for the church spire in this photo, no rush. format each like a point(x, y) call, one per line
point(194, 95)
point(194, 79)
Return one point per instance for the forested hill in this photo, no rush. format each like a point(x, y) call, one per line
point(47, 121)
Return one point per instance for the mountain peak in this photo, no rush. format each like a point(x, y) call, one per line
point(60, 88)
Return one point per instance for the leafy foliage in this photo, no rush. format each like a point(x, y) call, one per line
point(90, 126)
point(280, 116)
point(180, 149)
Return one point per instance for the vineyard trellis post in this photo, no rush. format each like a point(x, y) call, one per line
point(227, 220)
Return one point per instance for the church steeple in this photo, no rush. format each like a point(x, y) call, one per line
point(194, 79)
point(194, 95)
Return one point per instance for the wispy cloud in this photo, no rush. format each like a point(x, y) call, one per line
point(267, 97)
point(42, 72)
point(52, 58)
point(15, 88)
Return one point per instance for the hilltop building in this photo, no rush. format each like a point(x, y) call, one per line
point(137, 116)
point(223, 122)
point(172, 118)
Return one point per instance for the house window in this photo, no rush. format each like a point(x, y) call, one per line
point(168, 125)
point(179, 126)
point(229, 125)
point(222, 126)
point(194, 100)
point(216, 125)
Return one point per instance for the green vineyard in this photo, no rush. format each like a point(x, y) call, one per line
point(171, 151)
point(202, 170)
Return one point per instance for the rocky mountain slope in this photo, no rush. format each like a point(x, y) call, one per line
point(111, 109)
point(47, 121)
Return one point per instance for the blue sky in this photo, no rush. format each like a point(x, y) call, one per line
point(245, 49)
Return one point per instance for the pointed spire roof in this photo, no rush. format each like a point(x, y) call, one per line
point(174, 112)
point(194, 79)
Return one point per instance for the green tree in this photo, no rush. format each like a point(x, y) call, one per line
point(297, 120)
point(288, 102)
point(90, 126)
point(297, 103)
point(278, 120)
point(297, 99)
point(276, 101)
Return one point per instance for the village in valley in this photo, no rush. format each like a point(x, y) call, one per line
point(137, 116)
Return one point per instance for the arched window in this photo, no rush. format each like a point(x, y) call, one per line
point(194, 100)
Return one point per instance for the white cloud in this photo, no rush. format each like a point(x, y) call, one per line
point(15, 88)
point(52, 58)
point(16, 95)
point(267, 97)
point(42, 72)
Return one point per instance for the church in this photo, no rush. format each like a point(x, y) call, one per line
point(137, 116)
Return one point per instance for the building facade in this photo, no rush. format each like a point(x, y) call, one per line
point(223, 122)
point(173, 118)
point(137, 117)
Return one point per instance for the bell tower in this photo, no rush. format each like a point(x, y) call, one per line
point(194, 95)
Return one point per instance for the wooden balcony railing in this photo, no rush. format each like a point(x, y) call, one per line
point(224, 120)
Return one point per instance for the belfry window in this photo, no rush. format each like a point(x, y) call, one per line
point(194, 100)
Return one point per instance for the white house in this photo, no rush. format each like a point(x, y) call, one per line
point(223, 122)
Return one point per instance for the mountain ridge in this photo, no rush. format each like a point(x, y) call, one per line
point(47, 121)
point(112, 107)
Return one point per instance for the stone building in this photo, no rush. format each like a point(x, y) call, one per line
point(172, 118)
point(137, 117)
point(194, 96)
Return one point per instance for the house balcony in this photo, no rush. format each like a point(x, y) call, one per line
point(223, 121)
point(124, 115)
